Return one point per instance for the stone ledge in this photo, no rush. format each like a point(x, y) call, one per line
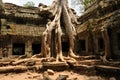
point(107, 69)
point(55, 66)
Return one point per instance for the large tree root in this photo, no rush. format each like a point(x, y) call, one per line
point(60, 12)
point(26, 62)
point(104, 59)
point(106, 40)
point(14, 69)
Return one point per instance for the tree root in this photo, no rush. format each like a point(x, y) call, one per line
point(72, 54)
point(104, 59)
point(60, 57)
point(18, 68)
point(61, 12)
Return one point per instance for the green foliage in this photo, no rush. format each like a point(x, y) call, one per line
point(87, 2)
point(84, 3)
point(1, 5)
point(29, 4)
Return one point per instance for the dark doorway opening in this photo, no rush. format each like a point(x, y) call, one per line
point(118, 40)
point(65, 46)
point(82, 45)
point(36, 48)
point(100, 44)
point(18, 49)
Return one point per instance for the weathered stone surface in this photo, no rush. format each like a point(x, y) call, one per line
point(55, 65)
point(47, 78)
point(1, 7)
point(4, 63)
point(50, 72)
point(62, 77)
point(13, 69)
point(30, 63)
point(84, 69)
point(108, 69)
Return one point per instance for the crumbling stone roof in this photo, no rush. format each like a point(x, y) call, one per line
point(19, 11)
point(104, 15)
point(1, 8)
point(99, 9)
point(27, 13)
point(33, 22)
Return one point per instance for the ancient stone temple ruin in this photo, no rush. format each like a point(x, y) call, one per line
point(98, 33)
point(43, 42)
point(21, 31)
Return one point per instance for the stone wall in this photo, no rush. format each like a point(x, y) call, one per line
point(5, 46)
point(115, 42)
point(103, 14)
point(7, 42)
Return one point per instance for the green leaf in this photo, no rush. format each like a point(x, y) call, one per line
point(29, 4)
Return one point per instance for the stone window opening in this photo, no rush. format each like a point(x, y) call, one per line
point(100, 44)
point(20, 21)
point(18, 49)
point(82, 45)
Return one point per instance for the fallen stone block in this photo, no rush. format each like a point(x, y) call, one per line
point(62, 77)
point(50, 72)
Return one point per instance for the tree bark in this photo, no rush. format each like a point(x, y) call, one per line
point(51, 39)
point(44, 46)
point(107, 52)
point(70, 30)
point(53, 42)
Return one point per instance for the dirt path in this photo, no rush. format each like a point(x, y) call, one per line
point(37, 76)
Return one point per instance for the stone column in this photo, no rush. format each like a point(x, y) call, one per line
point(0, 26)
point(0, 50)
point(106, 40)
point(9, 48)
point(95, 43)
point(28, 48)
point(87, 45)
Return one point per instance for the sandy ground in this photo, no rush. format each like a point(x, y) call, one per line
point(36, 76)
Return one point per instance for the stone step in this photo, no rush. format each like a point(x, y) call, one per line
point(88, 57)
point(107, 69)
point(83, 69)
point(55, 65)
point(90, 62)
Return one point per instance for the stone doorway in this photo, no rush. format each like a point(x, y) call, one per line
point(36, 48)
point(65, 48)
point(100, 44)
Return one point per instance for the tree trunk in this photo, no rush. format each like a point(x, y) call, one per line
point(51, 39)
point(107, 52)
point(0, 26)
point(44, 46)
point(53, 42)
